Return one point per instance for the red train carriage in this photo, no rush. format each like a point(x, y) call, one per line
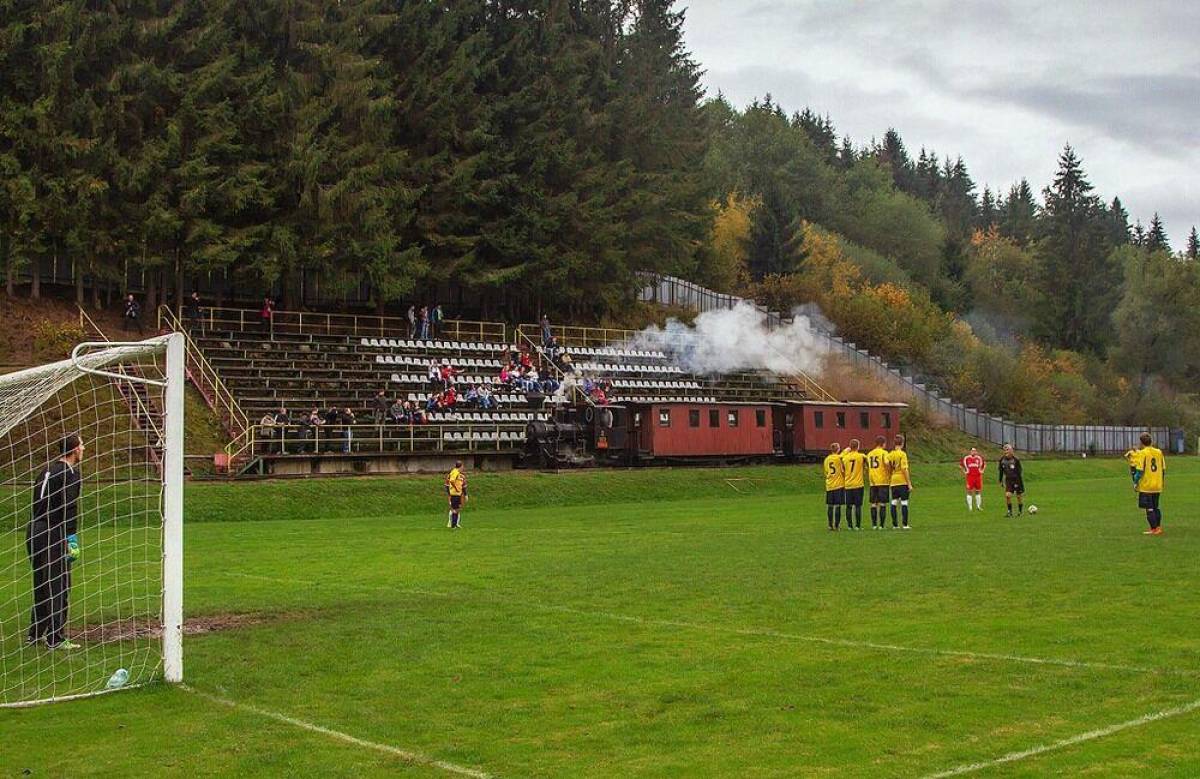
point(808, 428)
point(687, 430)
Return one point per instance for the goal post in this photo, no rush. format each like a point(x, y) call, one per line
point(91, 540)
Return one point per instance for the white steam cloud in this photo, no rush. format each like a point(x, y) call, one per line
point(737, 339)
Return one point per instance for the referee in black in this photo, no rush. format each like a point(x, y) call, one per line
point(52, 544)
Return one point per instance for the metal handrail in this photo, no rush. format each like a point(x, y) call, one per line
point(579, 336)
point(391, 433)
point(358, 325)
point(203, 373)
point(576, 392)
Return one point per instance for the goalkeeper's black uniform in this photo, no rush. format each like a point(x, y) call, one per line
point(55, 511)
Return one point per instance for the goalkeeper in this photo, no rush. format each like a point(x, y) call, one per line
point(52, 544)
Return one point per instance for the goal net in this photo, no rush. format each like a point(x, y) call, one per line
point(91, 586)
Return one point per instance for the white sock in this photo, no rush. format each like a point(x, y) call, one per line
point(969, 501)
point(979, 501)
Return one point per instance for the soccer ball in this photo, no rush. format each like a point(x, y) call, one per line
point(1033, 509)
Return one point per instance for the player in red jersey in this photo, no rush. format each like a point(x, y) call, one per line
point(973, 466)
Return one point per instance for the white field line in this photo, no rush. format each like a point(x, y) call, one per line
point(1091, 735)
point(387, 749)
point(756, 632)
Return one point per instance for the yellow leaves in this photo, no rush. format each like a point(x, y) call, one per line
point(727, 267)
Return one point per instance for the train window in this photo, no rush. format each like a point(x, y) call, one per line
point(733, 417)
point(637, 419)
point(664, 417)
point(694, 417)
point(789, 419)
point(714, 418)
point(887, 420)
point(841, 419)
point(818, 419)
point(760, 417)
point(864, 419)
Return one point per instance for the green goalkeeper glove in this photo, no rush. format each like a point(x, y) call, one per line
point(72, 548)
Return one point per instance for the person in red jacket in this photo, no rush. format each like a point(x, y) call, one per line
point(973, 465)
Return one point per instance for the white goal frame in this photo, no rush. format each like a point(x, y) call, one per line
point(106, 360)
point(172, 629)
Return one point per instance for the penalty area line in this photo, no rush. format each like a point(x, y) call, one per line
point(1091, 735)
point(847, 643)
point(406, 755)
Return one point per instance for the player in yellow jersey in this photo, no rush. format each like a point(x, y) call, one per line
point(1130, 458)
point(854, 467)
point(879, 476)
point(1149, 480)
point(900, 481)
point(835, 486)
point(456, 489)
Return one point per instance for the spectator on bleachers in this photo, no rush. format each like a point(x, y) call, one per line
point(553, 350)
point(310, 429)
point(434, 403)
point(434, 373)
point(415, 415)
point(347, 419)
point(192, 310)
point(486, 401)
point(266, 315)
point(449, 397)
point(471, 398)
point(283, 421)
point(506, 374)
point(412, 321)
point(423, 323)
point(435, 320)
point(132, 316)
point(447, 374)
point(566, 364)
point(526, 360)
point(546, 336)
point(267, 428)
point(333, 418)
point(397, 412)
point(379, 408)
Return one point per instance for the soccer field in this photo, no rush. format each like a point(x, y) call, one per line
point(664, 623)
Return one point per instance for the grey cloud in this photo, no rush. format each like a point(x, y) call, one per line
point(1155, 112)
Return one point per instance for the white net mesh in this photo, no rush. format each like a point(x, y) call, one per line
point(108, 601)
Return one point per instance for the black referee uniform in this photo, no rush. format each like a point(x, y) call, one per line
point(55, 512)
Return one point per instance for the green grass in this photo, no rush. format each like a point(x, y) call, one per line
point(662, 623)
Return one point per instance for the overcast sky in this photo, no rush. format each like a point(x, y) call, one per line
point(1004, 84)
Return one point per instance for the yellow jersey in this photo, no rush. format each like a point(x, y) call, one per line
point(877, 467)
point(897, 465)
point(456, 483)
point(853, 466)
point(835, 473)
point(1150, 461)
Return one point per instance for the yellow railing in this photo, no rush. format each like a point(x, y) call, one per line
point(263, 439)
point(571, 335)
point(359, 325)
point(206, 379)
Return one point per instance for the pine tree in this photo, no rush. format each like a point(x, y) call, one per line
point(1193, 245)
point(1118, 219)
point(1077, 275)
point(1018, 218)
point(988, 210)
point(1156, 236)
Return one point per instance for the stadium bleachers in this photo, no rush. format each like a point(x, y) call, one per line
point(300, 371)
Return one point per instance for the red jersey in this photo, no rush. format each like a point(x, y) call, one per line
point(972, 464)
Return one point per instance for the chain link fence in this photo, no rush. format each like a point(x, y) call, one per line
point(667, 290)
